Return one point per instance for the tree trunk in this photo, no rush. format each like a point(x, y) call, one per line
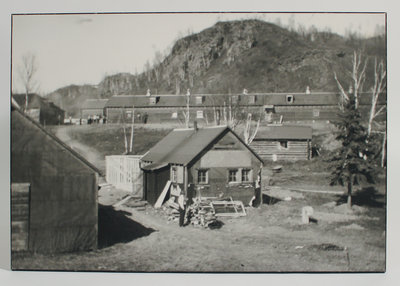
point(26, 101)
point(349, 191)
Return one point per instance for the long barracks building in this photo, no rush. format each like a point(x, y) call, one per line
point(213, 107)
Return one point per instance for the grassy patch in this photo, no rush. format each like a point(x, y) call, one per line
point(109, 139)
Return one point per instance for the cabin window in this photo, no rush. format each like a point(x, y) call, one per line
point(232, 177)
point(202, 176)
point(246, 175)
point(174, 114)
point(199, 114)
point(283, 144)
point(269, 108)
point(289, 98)
point(129, 113)
point(316, 113)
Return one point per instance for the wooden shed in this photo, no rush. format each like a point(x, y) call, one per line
point(283, 142)
point(61, 186)
point(207, 162)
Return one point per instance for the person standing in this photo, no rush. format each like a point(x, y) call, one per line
point(182, 209)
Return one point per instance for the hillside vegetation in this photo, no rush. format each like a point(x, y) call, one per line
point(231, 56)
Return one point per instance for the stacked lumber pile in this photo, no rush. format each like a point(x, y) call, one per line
point(204, 212)
point(201, 213)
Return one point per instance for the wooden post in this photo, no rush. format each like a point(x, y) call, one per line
point(349, 191)
point(131, 139)
point(185, 180)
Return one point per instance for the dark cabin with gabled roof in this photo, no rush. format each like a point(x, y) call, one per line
point(206, 162)
point(62, 212)
point(283, 142)
point(40, 109)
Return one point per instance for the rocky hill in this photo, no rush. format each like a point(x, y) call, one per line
point(231, 56)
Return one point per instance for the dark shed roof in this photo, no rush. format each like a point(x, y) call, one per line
point(181, 146)
point(94, 104)
point(34, 100)
point(284, 132)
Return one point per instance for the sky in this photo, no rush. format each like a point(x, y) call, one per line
point(84, 48)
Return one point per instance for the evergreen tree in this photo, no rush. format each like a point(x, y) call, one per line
point(351, 162)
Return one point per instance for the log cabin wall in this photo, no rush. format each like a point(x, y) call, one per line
point(295, 150)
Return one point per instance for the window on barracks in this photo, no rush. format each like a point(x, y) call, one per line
point(246, 175)
point(202, 176)
point(289, 98)
point(235, 99)
point(283, 144)
point(232, 177)
point(199, 99)
point(200, 114)
point(174, 114)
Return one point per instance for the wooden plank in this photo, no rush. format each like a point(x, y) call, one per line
point(305, 191)
point(121, 202)
point(162, 195)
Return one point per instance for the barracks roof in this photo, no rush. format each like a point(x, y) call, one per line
point(251, 99)
point(94, 103)
point(284, 132)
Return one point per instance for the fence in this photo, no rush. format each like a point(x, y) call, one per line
point(123, 171)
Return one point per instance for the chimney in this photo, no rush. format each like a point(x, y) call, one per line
point(195, 126)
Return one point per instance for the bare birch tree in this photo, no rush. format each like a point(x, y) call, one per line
point(378, 88)
point(248, 135)
point(186, 114)
point(358, 78)
point(128, 146)
point(27, 72)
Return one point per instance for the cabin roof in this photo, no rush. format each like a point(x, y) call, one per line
point(181, 146)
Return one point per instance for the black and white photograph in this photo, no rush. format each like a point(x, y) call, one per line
point(199, 142)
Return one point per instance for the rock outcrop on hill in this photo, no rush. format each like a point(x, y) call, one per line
point(231, 56)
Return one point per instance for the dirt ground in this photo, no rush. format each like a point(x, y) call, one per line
point(271, 238)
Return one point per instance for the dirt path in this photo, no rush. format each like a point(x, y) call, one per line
point(89, 153)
